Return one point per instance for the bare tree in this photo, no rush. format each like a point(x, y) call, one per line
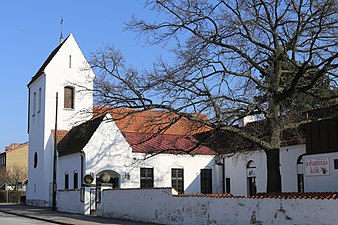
point(16, 176)
point(230, 59)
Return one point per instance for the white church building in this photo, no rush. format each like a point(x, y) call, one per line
point(94, 145)
point(117, 148)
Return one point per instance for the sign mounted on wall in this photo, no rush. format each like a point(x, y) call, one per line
point(317, 167)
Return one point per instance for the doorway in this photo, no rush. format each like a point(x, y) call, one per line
point(251, 178)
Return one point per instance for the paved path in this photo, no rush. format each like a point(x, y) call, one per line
point(47, 215)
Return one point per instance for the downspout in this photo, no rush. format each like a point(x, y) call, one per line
point(223, 174)
point(29, 103)
point(82, 154)
point(55, 157)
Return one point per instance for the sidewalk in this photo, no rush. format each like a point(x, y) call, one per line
point(46, 214)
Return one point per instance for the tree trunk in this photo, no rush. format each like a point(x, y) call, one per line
point(274, 182)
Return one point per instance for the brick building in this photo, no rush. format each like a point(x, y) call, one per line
point(14, 166)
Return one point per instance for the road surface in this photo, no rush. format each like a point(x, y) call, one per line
point(10, 219)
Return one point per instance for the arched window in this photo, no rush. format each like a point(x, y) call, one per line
point(69, 97)
point(300, 173)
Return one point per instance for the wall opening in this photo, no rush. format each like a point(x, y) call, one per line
point(251, 178)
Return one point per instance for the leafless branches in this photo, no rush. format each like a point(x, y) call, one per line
point(16, 176)
point(233, 59)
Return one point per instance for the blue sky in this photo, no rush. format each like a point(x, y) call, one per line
point(30, 30)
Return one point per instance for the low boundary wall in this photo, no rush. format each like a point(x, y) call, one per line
point(161, 206)
point(69, 201)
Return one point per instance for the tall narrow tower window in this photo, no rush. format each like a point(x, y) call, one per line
point(34, 104)
point(70, 61)
point(39, 99)
point(69, 97)
point(35, 160)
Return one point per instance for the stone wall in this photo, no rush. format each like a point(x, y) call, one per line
point(160, 206)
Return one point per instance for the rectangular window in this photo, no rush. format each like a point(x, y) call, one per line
point(75, 181)
point(70, 61)
point(66, 181)
point(227, 185)
point(335, 162)
point(177, 180)
point(147, 178)
point(68, 97)
point(206, 182)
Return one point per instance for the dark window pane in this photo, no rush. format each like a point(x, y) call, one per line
point(66, 181)
point(335, 162)
point(227, 184)
point(75, 181)
point(146, 178)
point(206, 182)
point(177, 180)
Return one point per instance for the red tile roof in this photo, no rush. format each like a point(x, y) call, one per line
point(298, 195)
point(76, 139)
point(61, 137)
point(17, 147)
point(283, 195)
point(152, 121)
point(206, 195)
point(174, 140)
point(166, 143)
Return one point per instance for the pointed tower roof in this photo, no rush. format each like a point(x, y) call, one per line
point(47, 61)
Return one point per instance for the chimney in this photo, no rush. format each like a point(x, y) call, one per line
point(14, 145)
point(11, 146)
point(249, 119)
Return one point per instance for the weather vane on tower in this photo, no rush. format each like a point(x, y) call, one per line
point(61, 38)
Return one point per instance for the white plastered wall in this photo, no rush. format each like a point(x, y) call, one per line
point(69, 164)
point(35, 187)
point(235, 169)
point(60, 72)
point(108, 150)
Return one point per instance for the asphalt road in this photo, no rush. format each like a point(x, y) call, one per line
point(10, 219)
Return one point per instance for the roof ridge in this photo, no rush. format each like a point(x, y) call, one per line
point(47, 61)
